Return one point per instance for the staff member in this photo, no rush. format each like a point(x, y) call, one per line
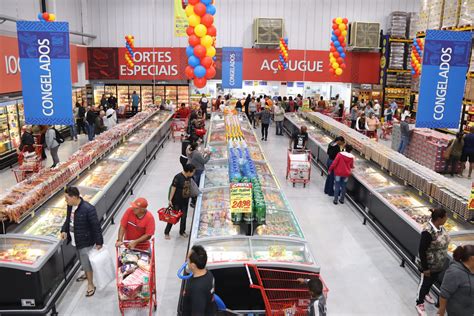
point(82, 230)
point(137, 225)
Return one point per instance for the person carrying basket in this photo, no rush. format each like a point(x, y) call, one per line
point(137, 226)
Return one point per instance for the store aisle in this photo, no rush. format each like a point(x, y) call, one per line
point(170, 254)
point(362, 273)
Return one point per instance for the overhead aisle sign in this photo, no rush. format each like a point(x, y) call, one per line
point(443, 76)
point(232, 58)
point(45, 72)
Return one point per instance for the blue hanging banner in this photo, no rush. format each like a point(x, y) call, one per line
point(443, 76)
point(232, 58)
point(45, 72)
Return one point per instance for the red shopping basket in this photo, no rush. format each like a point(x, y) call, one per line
point(168, 215)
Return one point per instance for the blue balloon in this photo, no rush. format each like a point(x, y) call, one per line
point(340, 49)
point(40, 16)
point(343, 55)
point(190, 51)
point(334, 38)
point(211, 9)
point(199, 71)
point(214, 58)
point(193, 61)
point(206, 2)
point(337, 44)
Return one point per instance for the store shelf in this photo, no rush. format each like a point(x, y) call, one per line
point(400, 40)
point(398, 71)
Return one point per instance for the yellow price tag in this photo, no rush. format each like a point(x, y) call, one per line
point(240, 198)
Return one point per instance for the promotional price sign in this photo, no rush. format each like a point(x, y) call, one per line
point(241, 198)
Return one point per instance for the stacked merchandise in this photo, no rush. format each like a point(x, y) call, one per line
point(397, 53)
point(471, 63)
point(397, 24)
point(435, 14)
point(134, 268)
point(451, 13)
point(423, 16)
point(413, 25)
point(401, 80)
point(23, 198)
point(449, 194)
point(466, 13)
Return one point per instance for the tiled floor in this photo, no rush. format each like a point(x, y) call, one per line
point(362, 274)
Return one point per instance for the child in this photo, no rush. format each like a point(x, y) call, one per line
point(317, 305)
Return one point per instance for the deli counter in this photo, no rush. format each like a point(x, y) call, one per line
point(279, 243)
point(399, 209)
point(104, 184)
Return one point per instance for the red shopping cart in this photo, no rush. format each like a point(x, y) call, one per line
point(29, 163)
point(298, 166)
point(282, 293)
point(178, 128)
point(139, 292)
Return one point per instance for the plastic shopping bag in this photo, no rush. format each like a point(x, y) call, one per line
point(102, 266)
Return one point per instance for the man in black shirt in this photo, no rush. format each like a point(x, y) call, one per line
point(112, 101)
point(334, 148)
point(90, 120)
point(198, 295)
point(179, 195)
point(299, 139)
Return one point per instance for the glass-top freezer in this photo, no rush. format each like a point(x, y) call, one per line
point(280, 223)
point(216, 175)
point(218, 152)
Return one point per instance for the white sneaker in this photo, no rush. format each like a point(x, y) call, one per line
point(430, 299)
point(421, 310)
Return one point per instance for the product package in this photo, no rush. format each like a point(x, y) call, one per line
point(451, 13)
point(397, 24)
point(466, 13)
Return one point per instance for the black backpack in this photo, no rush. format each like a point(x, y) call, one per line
point(58, 137)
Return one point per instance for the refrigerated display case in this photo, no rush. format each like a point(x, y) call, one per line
point(146, 96)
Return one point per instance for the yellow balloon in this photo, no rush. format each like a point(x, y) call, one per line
point(189, 10)
point(338, 71)
point(332, 60)
point(211, 51)
point(194, 20)
point(338, 20)
point(200, 30)
point(342, 27)
point(52, 17)
point(344, 33)
point(206, 41)
point(335, 65)
point(331, 55)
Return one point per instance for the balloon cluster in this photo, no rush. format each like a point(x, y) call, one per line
point(46, 17)
point(201, 51)
point(283, 57)
point(416, 57)
point(337, 51)
point(129, 54)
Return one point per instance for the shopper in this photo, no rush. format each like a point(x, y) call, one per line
point(362, 105)
point(135, 102)
point(291, 104)
point(252, 111)
point(433, 252)
point(185, 149)
point(368, 109)
point(110, 119)
point(203, 103)
point(179, 197)
point(342, 167)
point(453, 153)
point(198, 294)
point(81, 114)
point(279, 116)
point(321, 103)
point(457, 289)
point(372, 124)
point(103, 102)
point(299, 139)
point(198, 160)
point(183, 112)
point(394, 108)
point(217, 103)
point(90, 123)
point(99, 123)
point(334, 147)
point(354, 114)
point(53, 140)
point(405, 135)
point(112, 101)
point(73, 127)
point(468, 152)
point(136, 226)
point(238, 106)
point(265, 118)
point(317, 305)
point(388, 114)
point(377, 108)
point(82, 229)
point(361, 125)
point(27, 142)
point(42, 131)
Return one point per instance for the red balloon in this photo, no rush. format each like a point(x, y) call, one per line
point(200, 51)
point(190, 30)
point(210, 72)
point(193, 40)
point(207, 20)
point(337, 32)
point(46, 16)
point(331, 70)
point(211, 30)
point(206, 62)
point(189, 71)
point(334, 21)
point(332, 49)
point(194, 2)
point(345, 21)
point(341, 39)
point(343, 66)
point(335, 54)
point(340, 60)
point(343, 44)
point(200, 82)
point(200, 9)
point(335, 26)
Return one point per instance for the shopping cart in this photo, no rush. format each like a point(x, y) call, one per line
point(281, 291)
point(140, 295)
point(386, 130)
point(29, 163)
point(178, 128)
point(298, 167)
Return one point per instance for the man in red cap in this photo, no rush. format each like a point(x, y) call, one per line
point(137, 224)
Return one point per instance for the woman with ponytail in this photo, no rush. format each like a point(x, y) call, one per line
point(457, 289)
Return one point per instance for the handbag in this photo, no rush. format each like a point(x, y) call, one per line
point(168, 215)
point(200, 132)
point(194, 190)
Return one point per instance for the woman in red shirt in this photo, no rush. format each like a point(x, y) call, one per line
point(342, 167)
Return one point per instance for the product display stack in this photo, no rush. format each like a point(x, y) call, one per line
point(451, 13)
point(397, 24)
point(466, 13)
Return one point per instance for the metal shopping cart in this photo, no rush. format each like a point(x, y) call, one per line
point(29, 163)
point(298, 167)
point(137, 294)
point(282, 293)
point(178, 128)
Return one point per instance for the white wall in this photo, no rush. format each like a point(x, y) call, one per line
point(307, 22)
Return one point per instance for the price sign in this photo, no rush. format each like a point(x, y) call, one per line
point(241, 198)
point(471, 199)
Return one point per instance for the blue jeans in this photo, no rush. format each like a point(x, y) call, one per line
point(90, 131)
point(73, 130)
point(329, 185)
point(403, 145)
point(279, 127)
point(340, 189)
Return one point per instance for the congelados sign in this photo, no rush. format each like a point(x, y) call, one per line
point(157, 63)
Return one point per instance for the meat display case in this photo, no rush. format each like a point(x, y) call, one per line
point(399, 209)
point(278, 243)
